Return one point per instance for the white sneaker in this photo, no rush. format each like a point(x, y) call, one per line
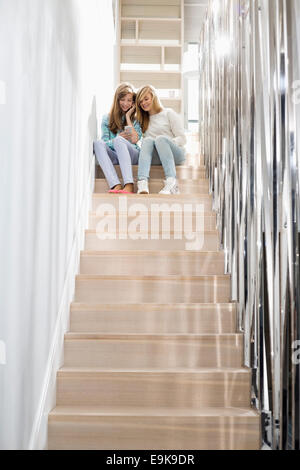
point(143, 187)
point(171, 187)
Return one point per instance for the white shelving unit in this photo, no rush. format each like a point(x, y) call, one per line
point(151, 39)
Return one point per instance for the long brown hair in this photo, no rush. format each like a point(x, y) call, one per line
point(143, 116)
point(116, 115)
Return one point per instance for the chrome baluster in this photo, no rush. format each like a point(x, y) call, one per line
point(250, 128)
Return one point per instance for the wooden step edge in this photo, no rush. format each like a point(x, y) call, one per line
point(210, 213)
point(170, 277)
point(163, 197)
point(171, 232)
point(196, 174)
point(153, 336)
point(160, 181)
point(79, 371)
point(164, 253)
point(200, 177)
point(77, 306)
point(94, 412)
point(135, 167)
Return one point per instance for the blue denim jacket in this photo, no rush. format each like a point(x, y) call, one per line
point(108, 136)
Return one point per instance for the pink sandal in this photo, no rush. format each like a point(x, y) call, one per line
point(122, 191)
point(113, 191)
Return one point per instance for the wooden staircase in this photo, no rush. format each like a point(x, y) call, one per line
point(153, 359)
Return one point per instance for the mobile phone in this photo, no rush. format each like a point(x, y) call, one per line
point(128, 129)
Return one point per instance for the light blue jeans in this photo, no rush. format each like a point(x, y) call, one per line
point(160, 151)
point(125, 155)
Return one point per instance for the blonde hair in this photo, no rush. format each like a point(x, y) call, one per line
point(143, 116)
point(116, 115)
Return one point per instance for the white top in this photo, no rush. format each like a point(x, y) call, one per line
point(167, 123)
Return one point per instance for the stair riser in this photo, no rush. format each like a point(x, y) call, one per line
point(163, 320)
point(208, 241)
point(194, 160)
point(185, 186)
point(160, 433)
point(119, 203)
point(196, 264)
point(209, 220)
point(157, 172)
point(146, 353)
point(176, 390)
point(152, 291)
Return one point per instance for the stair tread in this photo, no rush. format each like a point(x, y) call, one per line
point(98, 411)
point(150, 252)
point(168, 277)
point(89, 335)
point(198, 167)
point(185, 165)
point(215, 232)
point(163, 197)
point(180, 370)
point(187, 186)
point(159, 167)
point(149, 306)
point(180, 180)
point(207, 213)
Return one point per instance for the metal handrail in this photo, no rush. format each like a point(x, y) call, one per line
point(250, 138)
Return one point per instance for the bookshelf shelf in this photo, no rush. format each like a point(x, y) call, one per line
point(151, 45)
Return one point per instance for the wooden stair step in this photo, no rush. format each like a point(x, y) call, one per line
point(183, 172)
point(110, 351)
point(155, 388)
point(209, 219)
point(152, 289)
point(153, 318)
point(151, 263)
point(179, 202)
point(96, 428)
point(155, 185)
point(134, 239)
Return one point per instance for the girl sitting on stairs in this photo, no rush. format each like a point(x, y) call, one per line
point(119, 145)
point(163, 143)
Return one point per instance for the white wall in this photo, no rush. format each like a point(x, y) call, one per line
point(56, 76)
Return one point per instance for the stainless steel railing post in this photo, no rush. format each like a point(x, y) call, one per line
point(250, 139)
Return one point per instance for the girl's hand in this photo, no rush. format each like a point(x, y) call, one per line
point(130, 112)
point(125, 136)
point(134, 136)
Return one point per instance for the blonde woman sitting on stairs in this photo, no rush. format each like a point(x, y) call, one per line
point(164, 140)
